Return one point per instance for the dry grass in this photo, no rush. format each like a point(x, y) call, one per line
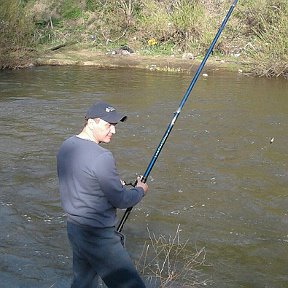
point(167, 262)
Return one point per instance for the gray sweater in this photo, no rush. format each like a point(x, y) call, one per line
point(89, 184)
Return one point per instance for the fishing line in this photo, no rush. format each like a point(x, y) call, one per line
point(177, 113)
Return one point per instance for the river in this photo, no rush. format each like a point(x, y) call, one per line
point(221, 178)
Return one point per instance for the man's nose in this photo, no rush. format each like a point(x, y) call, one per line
point(113, 129)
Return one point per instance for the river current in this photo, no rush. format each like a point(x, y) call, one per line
point(221, 178)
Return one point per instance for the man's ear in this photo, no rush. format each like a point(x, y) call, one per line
point(91, 123)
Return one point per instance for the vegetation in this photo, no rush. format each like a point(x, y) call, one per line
point(255, 36)
point(169, 263)
point(16, 29)
point(267, 51)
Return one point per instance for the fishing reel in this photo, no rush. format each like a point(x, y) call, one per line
point(128, 183)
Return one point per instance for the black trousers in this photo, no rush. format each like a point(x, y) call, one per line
point(98, 252)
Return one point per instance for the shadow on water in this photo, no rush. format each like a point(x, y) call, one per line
point(218, 175)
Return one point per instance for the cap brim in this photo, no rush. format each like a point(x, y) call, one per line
point(114, 117)
point(124, 118)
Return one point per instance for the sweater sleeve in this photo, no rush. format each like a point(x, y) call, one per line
point(110, 183)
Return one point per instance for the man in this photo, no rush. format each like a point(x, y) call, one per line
point(91, 190)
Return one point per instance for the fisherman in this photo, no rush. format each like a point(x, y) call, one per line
point(91, 190)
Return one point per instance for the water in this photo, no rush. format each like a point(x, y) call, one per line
point(218, 176)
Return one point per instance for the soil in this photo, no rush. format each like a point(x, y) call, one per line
point(133, 60)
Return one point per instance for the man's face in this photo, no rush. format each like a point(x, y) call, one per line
point(103, 130)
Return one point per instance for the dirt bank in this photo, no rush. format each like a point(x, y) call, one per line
point(133, 60)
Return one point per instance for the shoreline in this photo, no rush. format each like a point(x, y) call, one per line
point(88, 57)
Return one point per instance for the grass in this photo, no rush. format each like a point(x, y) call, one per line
point(15, 31)
point(268, 52)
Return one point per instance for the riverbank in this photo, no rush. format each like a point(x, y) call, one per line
point(254, 39)
point(87, 57)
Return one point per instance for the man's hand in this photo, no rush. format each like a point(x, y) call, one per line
point(142, 185)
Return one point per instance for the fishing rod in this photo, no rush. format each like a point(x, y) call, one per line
point(177, 113)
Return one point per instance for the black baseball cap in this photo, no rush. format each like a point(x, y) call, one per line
point(105, 112)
